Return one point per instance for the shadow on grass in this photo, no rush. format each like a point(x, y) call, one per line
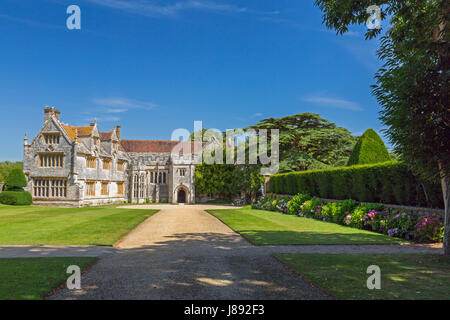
point(283, 237)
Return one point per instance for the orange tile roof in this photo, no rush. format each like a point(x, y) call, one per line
point(82, 131)
point(147, 146)
point(105, 136)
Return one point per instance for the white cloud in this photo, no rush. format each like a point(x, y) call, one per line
point(258, 114)
point(103, 119)
point(153, 8)
point(120, 105)
point(334, 102)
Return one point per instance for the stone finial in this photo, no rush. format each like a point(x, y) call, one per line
point(25, 140)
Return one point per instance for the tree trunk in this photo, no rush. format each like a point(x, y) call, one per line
point(427, 200)
point(445, 181)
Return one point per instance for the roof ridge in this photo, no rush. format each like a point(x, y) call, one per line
point(153, 140)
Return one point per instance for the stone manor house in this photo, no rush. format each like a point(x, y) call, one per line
point(78, 166)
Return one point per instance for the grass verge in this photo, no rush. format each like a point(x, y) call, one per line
point(274, 228)
point(35, 278)
point(30, 225)
point(403, 276)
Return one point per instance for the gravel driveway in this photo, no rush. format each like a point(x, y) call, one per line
point(183, 252)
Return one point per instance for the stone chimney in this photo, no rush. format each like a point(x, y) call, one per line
point(118, 132)
point(49, 111)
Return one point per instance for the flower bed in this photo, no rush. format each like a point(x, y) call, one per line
point(366, 216)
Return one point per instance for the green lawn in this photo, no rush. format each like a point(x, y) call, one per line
point(274, 228)
point(29, 225)
point(411, 276)
point(35, 278)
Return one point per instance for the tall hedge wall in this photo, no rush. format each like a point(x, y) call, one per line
point(388, 182)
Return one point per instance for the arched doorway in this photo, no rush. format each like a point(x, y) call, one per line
point(181, 196)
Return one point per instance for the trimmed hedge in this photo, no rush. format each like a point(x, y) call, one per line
point(388, 182)
point(16, 198)
point(370, 148)
point(16, 180)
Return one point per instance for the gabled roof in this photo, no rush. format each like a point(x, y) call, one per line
point(156, 146)
point(106, 136)
point(82, 131)
point(109, 136)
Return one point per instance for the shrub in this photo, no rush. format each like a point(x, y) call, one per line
point(389, 182)
point(337, 211)
point(357, 217)
point(263, 203)
point(271, 203)
point(293, 206)
point(375, 221)
point(16, 180)
point(368, 216)
point(16, 198)
point(310, 208)
point(327, 211)
point(281, 205)
point(370, 148)
point(428, 229)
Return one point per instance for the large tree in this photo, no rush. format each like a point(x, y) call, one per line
point(413, 84)
point(6, 167)
point(308, 142)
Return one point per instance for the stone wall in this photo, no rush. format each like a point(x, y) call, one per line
point(1, 186)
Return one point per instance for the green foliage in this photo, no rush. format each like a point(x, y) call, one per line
point(369, 149)
point(6, 167)
point(227, 180)
point(336, 211)
point(311, 208)
point(16, 198)
point(272, 203)
point(16, 180)
point(412, 86)
point(295, 203)
point(355, 219)
point(365, 216)
point(428, 229)
point(389, 182)
point(308, 142)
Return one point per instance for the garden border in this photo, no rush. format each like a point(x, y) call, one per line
point(416, 211)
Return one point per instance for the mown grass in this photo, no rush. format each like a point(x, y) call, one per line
point(30, 225)
point(35, 278)
point(403, 276)
point(274, 228)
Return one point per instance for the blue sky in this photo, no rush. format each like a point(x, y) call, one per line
point(154, 66)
